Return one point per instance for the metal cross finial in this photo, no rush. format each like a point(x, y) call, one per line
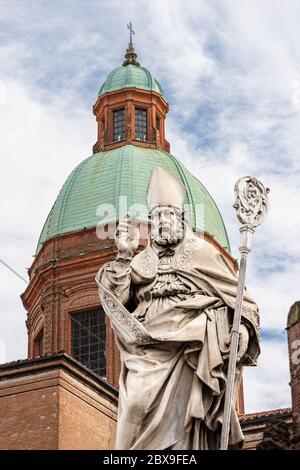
point(130, 56)
point(129, 26)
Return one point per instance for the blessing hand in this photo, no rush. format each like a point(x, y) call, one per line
point(127, 238)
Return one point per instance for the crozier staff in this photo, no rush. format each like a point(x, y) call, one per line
point(251, 206)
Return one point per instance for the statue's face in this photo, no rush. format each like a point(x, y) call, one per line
point(167, 225)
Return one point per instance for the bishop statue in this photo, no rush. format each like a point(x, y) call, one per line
point(171, 306)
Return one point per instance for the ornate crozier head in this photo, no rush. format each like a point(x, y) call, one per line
point(165, 197)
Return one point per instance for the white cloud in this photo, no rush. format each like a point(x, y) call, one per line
point(267, 385)
point(2, 351)
point(39, 147)
point(230, 71)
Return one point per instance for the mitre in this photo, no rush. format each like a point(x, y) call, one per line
point(165, 190)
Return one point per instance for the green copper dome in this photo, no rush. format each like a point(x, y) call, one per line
point(131, 76)
point(97, 189)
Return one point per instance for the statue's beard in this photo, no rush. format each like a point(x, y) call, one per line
point(161, 241)
point(169, 236)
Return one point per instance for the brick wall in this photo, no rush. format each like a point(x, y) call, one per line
point(29, 413)
point(55, 403)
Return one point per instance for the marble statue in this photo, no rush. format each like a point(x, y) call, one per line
point(171, 307)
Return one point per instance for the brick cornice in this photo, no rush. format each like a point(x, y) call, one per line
point(266, 416)
point(62, 361)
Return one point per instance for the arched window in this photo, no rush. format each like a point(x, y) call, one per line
point(141, 124)
point(157, 122)
point(88, 339)
point(39, 343)
point(119, 125)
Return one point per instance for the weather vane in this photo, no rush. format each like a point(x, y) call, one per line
point(129, 26)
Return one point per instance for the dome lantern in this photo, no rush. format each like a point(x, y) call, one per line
point(130, 108)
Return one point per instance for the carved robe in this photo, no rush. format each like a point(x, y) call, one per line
point(174, 344)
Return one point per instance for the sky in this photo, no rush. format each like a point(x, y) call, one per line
point(230, 71)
